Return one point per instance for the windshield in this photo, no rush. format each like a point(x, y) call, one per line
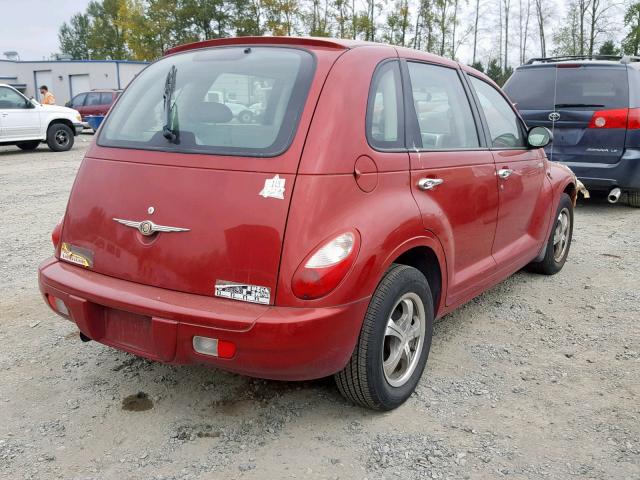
point(229, 101)
point(585, 86)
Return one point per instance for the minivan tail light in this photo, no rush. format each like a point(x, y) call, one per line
point(56, 234)
point(616, 118)
point(633, 121)
point(324, 268)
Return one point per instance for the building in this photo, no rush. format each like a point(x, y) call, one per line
point(67, 78)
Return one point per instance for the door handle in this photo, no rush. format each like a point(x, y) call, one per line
point(429, 183)
point(504, 173)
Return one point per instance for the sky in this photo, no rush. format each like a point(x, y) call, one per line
point(30, 27)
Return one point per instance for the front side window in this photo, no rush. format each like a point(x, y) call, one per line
point(385, 108)
point(444, 114)
point(504, 125)
point(9, 99)
point(229, 101)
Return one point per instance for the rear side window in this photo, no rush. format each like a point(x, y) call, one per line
point(227, 101)
point(442, 107)
point(93, 99)
point(584, 86)
point(385, 114)
point(504, 125)
point(106, 98)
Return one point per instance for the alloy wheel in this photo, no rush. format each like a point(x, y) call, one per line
point(403, 339)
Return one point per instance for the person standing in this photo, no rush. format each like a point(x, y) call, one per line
point(46, 97)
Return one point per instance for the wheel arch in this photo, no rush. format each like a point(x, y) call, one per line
point(426, 255)
point(64, 121)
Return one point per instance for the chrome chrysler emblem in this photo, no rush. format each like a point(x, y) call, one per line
point(148, 228)
point(554, 116)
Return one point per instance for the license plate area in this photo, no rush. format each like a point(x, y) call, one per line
point(128, 329)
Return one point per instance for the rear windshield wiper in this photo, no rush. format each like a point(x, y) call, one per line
point(169, 130)
point(569, 105)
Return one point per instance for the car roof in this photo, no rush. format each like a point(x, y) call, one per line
point(583, 60)
point(315, 42)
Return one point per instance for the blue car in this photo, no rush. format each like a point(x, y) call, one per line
point(592, 106)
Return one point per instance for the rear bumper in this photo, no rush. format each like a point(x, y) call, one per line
point(271, 342)
point(604, 176)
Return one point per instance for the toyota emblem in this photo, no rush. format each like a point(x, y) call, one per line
point(554, 116)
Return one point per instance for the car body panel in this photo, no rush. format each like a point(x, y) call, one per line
point(150, 296)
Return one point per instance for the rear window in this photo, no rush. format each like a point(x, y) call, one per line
point(226, 101)
point(590, 86)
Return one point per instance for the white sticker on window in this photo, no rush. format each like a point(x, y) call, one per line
point(244, 293)
point(273, 187)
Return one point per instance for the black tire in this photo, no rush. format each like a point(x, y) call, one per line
point(633, 198)
point(363, 380)
point(28, 145)
point(59, 137)
point(554, 260)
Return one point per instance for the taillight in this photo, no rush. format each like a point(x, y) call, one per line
point(616, 118)
point(56, 234)
point(633, 121)
point(325, 267)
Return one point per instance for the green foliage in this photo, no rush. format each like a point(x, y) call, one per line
point(494, 70)
point(609, 48)
point(73, 37)
point(478, 66)
point(631, 43)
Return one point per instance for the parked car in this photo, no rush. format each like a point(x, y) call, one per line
point(93, 103)
point(324, 239)
point(25, 123)
point(592, 105)
point(240, 112)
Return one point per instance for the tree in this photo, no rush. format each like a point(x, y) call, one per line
point(609, 48)
point(478, 66)
point(631, 43)
point(507, 10)
point(475, 31)
point(247, 17)
point(494, 70)
point(541, 16)
point(107, 34)
point(523, 24)
point(73, 37)
point(342, 15)
point(398, 24)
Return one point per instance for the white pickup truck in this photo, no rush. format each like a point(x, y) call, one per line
point(26, 123)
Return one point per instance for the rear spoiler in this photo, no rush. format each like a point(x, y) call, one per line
point(301, 41)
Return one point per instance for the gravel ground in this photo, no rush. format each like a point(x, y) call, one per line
point(537, 378)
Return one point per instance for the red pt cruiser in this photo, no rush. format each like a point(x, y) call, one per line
point(378, 188)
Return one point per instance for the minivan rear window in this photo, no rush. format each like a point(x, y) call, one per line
point(588, 86)
point(243, 101)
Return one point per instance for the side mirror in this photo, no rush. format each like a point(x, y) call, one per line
point(539, 137)
point(28, 104)
point(68, 104)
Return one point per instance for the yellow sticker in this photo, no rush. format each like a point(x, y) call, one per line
point(76, 255)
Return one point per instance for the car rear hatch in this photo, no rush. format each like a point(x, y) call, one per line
point(585, 106)
point(187, 197)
